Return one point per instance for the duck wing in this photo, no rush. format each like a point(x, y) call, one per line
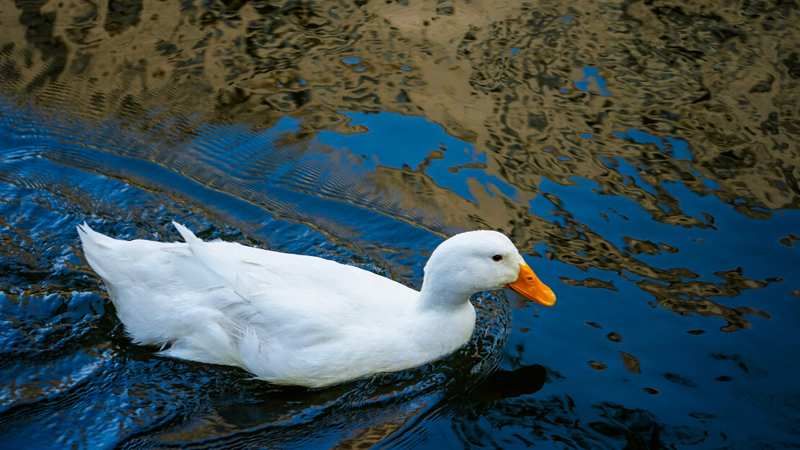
point(273, 279)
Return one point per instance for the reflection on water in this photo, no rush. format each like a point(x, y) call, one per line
point(644, 154)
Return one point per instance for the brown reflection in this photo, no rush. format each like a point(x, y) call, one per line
point(631, 362)
point(597, 365)
point(589, 282)
point(502, 75)
point(674, 297)
point(245, 60)
point(788, 240)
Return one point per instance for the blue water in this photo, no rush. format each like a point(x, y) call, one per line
point(640, 157)
point(71, 377)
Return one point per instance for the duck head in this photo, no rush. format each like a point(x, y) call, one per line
point(478, 261)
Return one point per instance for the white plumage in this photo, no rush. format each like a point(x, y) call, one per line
point(294, 319)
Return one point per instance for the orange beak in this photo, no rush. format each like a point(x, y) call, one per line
point(529, 285)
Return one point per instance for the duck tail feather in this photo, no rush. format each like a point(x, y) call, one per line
point(186, 234)
point(92, 238)
point(98, 249)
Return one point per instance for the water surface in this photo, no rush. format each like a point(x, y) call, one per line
point(643, 156)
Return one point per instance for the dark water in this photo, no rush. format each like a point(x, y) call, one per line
point(643, 155)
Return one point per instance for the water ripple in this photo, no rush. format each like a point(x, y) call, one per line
point(642, 155)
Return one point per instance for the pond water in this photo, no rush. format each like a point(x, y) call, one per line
point(642, 155)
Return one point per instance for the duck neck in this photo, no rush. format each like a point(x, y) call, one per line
point(442, 296)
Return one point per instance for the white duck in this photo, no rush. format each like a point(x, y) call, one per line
point(300, 320)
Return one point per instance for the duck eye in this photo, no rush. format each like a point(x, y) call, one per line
point(497, 257)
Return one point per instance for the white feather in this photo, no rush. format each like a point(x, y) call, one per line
point(294, 319)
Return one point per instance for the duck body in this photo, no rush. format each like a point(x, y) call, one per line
point(287, 319)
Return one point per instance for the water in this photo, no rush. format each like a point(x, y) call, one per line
point(643, 156)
